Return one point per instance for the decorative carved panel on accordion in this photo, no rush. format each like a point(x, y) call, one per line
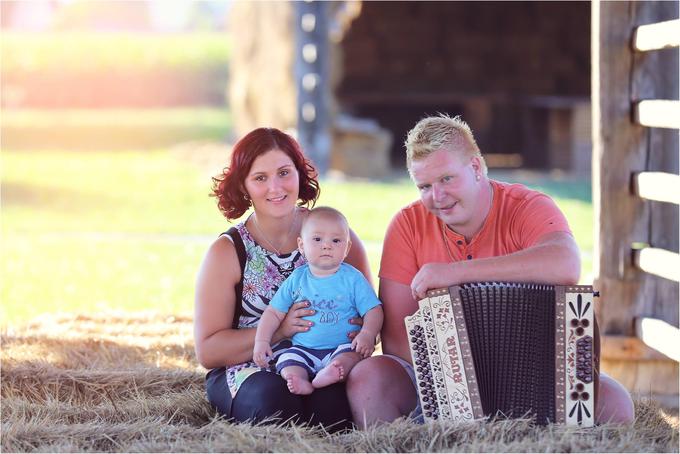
point(506, 349)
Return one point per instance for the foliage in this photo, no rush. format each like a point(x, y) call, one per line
point(131, 384)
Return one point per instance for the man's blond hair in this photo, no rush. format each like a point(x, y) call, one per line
point(434, 133)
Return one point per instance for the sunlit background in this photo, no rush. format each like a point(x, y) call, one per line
point(102, 209)
point(115, 114)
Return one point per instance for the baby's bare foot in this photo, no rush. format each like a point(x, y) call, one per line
point(330, 374)
point(298, 385)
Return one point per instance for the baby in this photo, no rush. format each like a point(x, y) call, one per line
point(337, 292)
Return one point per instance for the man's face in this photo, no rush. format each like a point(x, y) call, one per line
point(449, 188)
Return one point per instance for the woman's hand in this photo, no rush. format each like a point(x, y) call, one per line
point(294, 322)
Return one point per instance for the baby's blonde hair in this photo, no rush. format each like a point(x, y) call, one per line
point(327, 213)
point(434, 133)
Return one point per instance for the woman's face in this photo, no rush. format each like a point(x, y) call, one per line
point(273, 184)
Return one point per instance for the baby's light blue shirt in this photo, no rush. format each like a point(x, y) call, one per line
point(336, 299)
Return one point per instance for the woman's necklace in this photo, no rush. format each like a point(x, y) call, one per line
point(264, 237)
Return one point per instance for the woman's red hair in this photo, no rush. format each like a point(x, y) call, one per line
point(228, 186)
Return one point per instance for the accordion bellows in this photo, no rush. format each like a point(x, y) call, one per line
point(505, 349)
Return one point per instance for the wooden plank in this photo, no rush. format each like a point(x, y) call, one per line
point(657, 186)
point(657, 36)
point(657, 113)
point(659, 335)
point(627, 348)
point(658, 79)
point(659, 262)
point(655, 379)
point(618, 148)
point(621, 147)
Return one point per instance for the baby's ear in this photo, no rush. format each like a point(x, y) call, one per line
point(300, 246)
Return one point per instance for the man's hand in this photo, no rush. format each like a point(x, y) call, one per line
point(261, 352)
point(358, 321)
point(432, 276)
point(364, 344)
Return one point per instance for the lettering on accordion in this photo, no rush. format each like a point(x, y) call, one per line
point(482, 349)
point(449, 350)
point(445, 376)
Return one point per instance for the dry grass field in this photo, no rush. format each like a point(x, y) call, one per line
point(130, 383)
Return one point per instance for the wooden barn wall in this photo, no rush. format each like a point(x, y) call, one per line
point(511, 68)
point(621, 77)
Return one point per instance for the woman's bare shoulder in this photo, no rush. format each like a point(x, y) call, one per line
point(221, 256)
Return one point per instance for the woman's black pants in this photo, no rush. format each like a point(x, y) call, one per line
point(265, 396)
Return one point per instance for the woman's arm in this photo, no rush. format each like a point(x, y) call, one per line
point(216, 343)
point(357, 257)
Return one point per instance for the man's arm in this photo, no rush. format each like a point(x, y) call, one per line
point(397, 304)
point(554, 259)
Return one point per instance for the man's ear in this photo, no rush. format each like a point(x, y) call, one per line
point(477, 166)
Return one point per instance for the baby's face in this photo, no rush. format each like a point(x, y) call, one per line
point(325, 243)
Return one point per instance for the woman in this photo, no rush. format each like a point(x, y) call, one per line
point(268, 172)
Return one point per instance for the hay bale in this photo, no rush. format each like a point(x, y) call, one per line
point(113, 382)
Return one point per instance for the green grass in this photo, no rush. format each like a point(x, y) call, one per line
point(91, 231)
point(111, 129)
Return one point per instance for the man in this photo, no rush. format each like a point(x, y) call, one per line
point(464, 228)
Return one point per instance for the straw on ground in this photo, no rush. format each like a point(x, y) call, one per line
point(117, 382)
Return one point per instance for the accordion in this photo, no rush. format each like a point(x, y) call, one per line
point(508, 350)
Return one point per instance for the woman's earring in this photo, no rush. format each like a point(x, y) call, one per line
point(478, 177)
point(246, 198)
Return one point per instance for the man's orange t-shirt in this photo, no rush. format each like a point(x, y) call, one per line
point(517, 219)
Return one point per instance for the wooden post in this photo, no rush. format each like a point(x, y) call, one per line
point(622, 149)
point(312, 74)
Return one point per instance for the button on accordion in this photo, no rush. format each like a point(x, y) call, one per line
point(509, 350)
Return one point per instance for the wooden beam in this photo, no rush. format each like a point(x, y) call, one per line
point(659, 335)
point(627, 348)
point(657, 186)
point(659, 262)
point(658, 113)
point(657, 36)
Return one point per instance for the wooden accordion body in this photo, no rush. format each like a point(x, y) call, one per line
point(514, 350)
